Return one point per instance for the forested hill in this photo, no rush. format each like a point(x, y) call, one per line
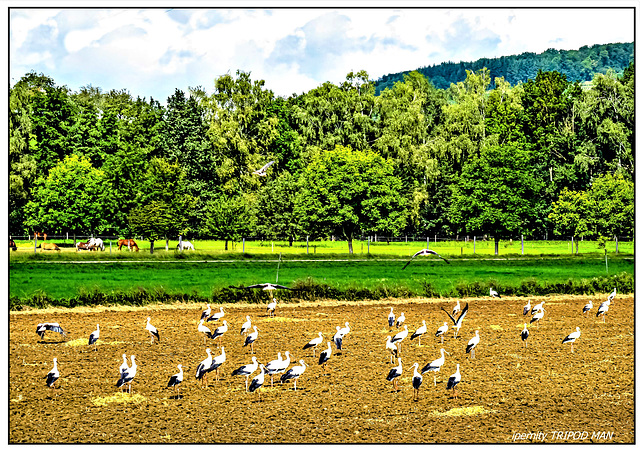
point(577, 65)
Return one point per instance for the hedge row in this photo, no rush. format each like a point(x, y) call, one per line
point(309, 289)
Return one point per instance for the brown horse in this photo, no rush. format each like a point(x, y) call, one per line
point(42, 235)
point(12, 245)
point(85, 246)
point(49, 246)
point(129, 243)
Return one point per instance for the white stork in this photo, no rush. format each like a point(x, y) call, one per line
point(205, 331)
point(271, 308)
point(337, 339)
point(128, 375)
point(400, 320)
point(456, 308)
point(442, 331)
point(524, 335)
point(294, 373)
point(612, 295)
point(419, 332)
point(313, 343)
point(416, 381)
point(392, 349)
point(391, 318)
point(216, 315)
point(41, 328)
point(53, 375)
point(219, 332)
point(395, 373)
point(245, 326)
point(251, 338)
point(425, 252)
point(257, 382)
point(247, 370)
point(571, 338)
point(435, 365)
point(324, 356)
point(175, 380)
point(537, 308)
point(457, 323)
point(399, 337)
point(93, 338)
point(206, 313)
point(124, 367)
point(153, 331)
point(473, 343)
point(204, 368)
point(454, 380)
point(277, 366)
point(603, 309)
point(263, 171)
point(587, 307)
point(527, 308)
point(537, 316)
point(218, 361)
point(493, 293)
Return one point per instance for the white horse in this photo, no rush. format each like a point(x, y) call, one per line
point(186, 246)
point(96, 242)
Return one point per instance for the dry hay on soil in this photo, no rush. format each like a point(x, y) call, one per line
point(506, 389)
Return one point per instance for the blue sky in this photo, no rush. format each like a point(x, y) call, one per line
point(151, 52)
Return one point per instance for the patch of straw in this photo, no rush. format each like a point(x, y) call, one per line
point(85, 341)
point(495, 327)
point(462, 411)
point(121, 397)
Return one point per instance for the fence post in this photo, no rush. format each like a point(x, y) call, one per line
point(35, 244)
point(474, 244)
point(435, 238)
point(307, 244)
point(272, 246)
point(522, 244)
point(242, 245)
point(427, 242)
point(571, 244)
point(368, 240)
point(166, 244)
point(109, 246)
point(616, 244)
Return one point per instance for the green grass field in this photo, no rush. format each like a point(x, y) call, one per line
point(66, 279)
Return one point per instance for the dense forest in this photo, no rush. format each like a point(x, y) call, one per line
point(578, 65)
point(543, 157)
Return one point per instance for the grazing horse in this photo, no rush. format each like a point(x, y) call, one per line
point(85, 246)
point(130, 243)
point(42, 235)
point(12, 245)
point(49, 246)
point(186, 246)
point(97, 242)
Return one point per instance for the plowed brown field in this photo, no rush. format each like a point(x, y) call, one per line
point(505, 390)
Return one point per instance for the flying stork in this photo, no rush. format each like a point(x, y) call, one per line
point(425, 252)
point(457, 323)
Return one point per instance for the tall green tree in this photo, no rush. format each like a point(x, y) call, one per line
point(347, 192)
point(613, 205)
point(275, 209)
point(571, 214)
point(227, 218)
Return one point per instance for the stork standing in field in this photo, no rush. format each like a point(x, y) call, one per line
point(603, 309)
point(416, 381)
point(271, 308)
point(127, 377)
point(392, 349)
point(457, 323)
point(247, 370)
point(493, 293)
point(395, 373)
point(245, 326)
point(313, 343)
point(537, 316)
point(124, 367)
point(571, 338)
point(175, 380)
point(399, 337)
point(93, 338)
point(53, 375)
point(251, 338)
point(400, 320)
point(612, 295)
point(537, 308)
point(153, 331)
point(277, 366)
point(454, 380)
point(527, 308)
point(324, 356)
point(216, 315)
point(442, 331)
point(473, 343)
point(587, 307)
point(419, 332)
point(206, 313)
point(205, 331)
point(524, 335)
point(257, 382)
point(337, 339)
point(391, 318)
point(435, 365)
point(204, 368)
point(425, 252)
point(294, 373)
point(42, 328)
point(218, 361)
point(456, 308)
point(219, 332)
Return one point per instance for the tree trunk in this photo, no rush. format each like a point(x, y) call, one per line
point(497, 247)
point(226, 244)
point(350, 242)
point(151, 246)
point(290, 241)
point(577, 242)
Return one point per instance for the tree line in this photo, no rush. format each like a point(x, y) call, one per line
point(415, 159)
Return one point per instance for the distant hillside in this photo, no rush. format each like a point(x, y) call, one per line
point(578, 65)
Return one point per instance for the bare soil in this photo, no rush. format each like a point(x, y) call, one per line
point(505, 390)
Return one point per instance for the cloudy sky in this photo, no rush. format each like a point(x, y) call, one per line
point(151, 52)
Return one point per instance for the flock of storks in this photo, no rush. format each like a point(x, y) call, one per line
point(280, 366)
